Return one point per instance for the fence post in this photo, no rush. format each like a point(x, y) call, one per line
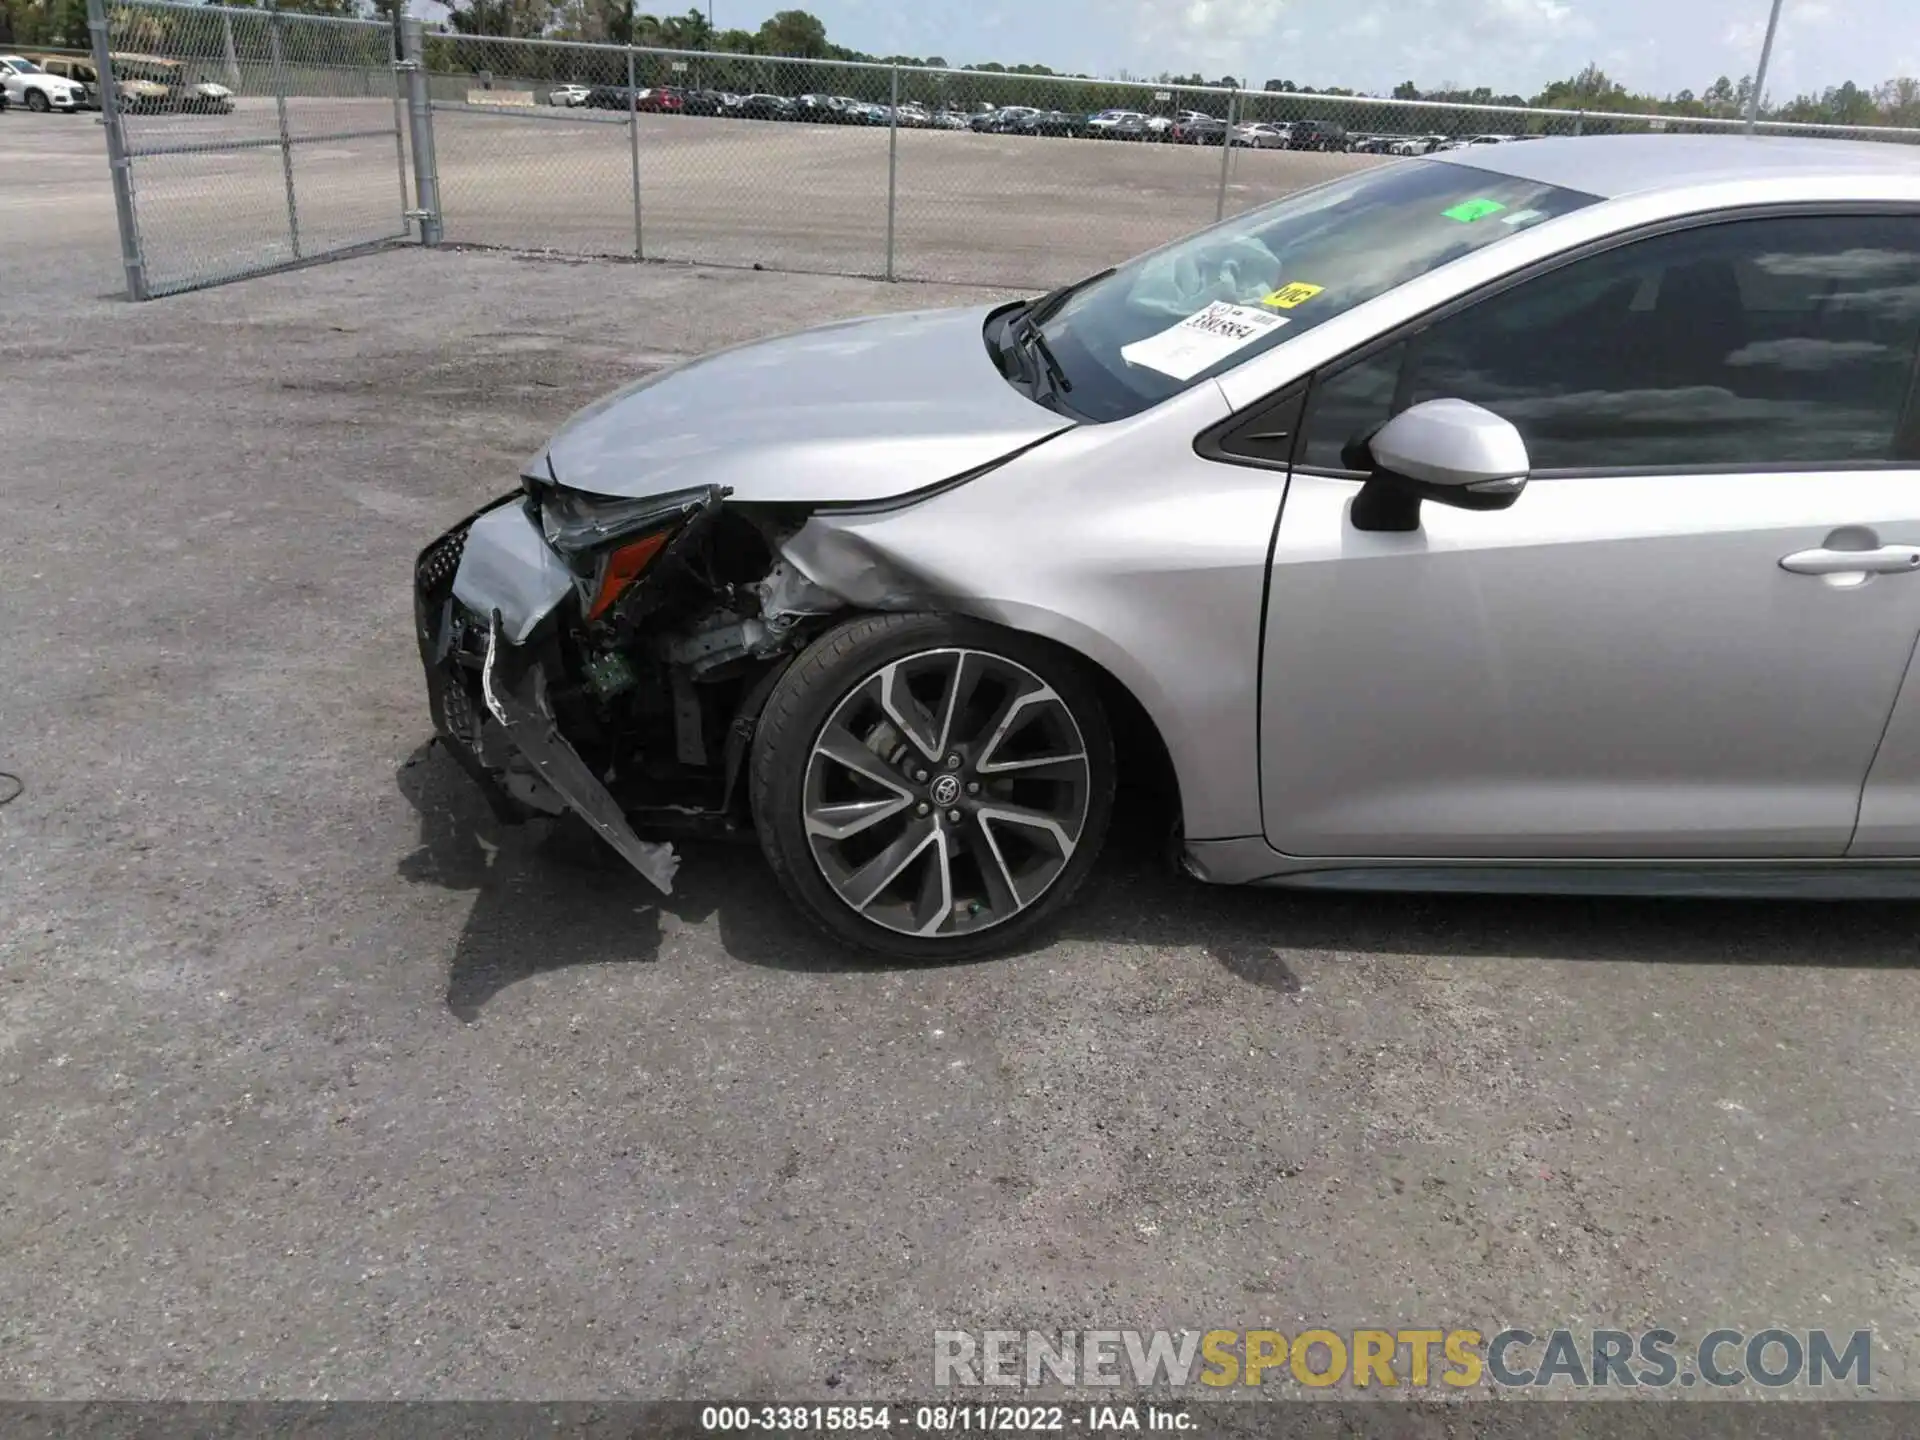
point(426, 168)
point(1579, 122)
point(396, 81)
point(227, 52)
point(280, 109)
point(893, 155)
point(633, 152)
point(1226, 154)
point(1760, 76)
point(120, 165)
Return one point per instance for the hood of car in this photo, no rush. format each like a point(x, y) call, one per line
point(856, 411)
point(212, 91)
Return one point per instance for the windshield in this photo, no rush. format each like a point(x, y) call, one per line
point(26, 67)
point(1171, 318)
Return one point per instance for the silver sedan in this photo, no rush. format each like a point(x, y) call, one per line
point(1533, 517)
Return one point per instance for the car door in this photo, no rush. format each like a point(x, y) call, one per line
point(1686, 637)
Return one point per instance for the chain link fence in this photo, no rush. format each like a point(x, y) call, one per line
point(245, 140)
point(849, 168)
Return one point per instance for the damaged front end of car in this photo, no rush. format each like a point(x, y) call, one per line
point(608, 656)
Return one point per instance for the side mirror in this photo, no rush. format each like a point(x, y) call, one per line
point(1448, 451)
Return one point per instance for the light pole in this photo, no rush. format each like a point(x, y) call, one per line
point(1760, 79)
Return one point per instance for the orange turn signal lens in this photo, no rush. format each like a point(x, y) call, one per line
point(624, 566)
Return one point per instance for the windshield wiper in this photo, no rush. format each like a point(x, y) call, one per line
point(1025, 337)
point(1034, 339)
point(1042, 310)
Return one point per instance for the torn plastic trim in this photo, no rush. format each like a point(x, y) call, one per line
point(528, 720)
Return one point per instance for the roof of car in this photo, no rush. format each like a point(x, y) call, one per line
point(1614, 165)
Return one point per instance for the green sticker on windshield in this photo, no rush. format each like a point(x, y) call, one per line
point(1468, 211)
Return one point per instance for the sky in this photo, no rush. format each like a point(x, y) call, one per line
point(1512, 46)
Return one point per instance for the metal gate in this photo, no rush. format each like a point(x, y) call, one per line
point(245, 141)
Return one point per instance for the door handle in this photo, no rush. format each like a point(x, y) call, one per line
point(1887, 560)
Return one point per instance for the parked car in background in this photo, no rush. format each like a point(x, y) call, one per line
point(661, 100)
point(1262, 135)
point(951, 120)
point(1052, 123)
point(912, 114)
point(1008, 119)
point(79, 70)
point(710, 102)
point(821, 109)
point(570, 96)
point(761, 106)
point(1317, 135)
point(158, 82)
point(1489, 139)
point(1198, 129)
point(1107, 124)
point(143, 97)
point(1416, 144)
point(26, 84)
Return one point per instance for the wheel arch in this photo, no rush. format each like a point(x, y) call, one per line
point(1149, 781)
point(1146, 780)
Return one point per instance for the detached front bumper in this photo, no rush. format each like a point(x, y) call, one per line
point(481, 592)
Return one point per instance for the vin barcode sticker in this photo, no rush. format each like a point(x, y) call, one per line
point(1202, 339)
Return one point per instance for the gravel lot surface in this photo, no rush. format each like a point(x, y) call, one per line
point(314, 1082)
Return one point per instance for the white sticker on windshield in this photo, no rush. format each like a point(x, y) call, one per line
point(1202, 339)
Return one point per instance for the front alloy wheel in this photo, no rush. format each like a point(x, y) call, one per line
point(932, 787)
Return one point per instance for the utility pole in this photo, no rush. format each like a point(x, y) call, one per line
point(1760, 79)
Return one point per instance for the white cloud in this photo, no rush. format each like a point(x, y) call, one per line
point(1212, 36)
point(1531, 16)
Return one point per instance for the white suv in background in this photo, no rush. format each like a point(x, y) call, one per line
point(25, 83)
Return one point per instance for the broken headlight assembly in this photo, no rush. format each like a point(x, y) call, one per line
point(609, 543)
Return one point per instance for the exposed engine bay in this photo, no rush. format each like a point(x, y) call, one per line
point(625, 683)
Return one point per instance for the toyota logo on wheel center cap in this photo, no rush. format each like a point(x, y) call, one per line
point(945, 790)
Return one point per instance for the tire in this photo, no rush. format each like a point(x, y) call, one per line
point(1031, 807)
point(37, 102)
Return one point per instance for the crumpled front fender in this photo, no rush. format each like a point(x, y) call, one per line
point(508, 569)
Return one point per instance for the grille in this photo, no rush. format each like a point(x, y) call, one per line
point(433, 573)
